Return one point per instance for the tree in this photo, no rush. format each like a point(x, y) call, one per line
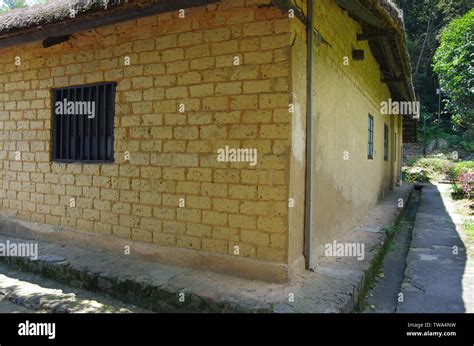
point(11, 4)
point(424, 20)
point(454, 64)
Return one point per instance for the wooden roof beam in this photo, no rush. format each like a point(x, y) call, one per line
point(373, 35)
point(391, 80)
point(355, 8)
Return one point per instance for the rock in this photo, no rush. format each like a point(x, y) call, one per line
point(431, 146)
point(437, 144)
point(441, 143)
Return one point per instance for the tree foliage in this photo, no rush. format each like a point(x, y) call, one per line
point(424, 21)
point(454, 64)
point(11, 4)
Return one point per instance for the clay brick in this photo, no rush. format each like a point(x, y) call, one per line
point(201, 90)
point(258, 28)
point(226, 205)
point(198, 202)
point(214, 218)
point(202, 146)
point(172, 54)
point(215, 103)
point(255, 237)
point(243, 192)
point(256, 87)
point(215, 245)
point(274, 131)
point(190, 215)
point(214, 190)
point(203, 63)
point(213, 132)
point(216, 35)
point(231, 88)
point(198, 51)
point(227, 47)
point(168, 41)
point(242, 221)
point(226, 233)
point(270, 254)
point(198, 230)
point(189, 242)
point(188, 187)
point(227, 176)
point(186, 132)
point(274, 101)
point(189, 78)
point(199, 174)
point(243, 131)
point(165, 239)
point(255, 208)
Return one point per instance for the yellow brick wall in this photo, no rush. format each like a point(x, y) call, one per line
point(172, 154)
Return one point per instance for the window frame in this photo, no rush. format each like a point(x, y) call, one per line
point(105, 92)
point(386, 133)
point(371, 135)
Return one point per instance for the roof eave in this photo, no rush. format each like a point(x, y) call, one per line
point(94, 19)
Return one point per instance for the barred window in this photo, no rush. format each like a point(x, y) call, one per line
point(385, 142)
point(370, 147)
point(83, 123)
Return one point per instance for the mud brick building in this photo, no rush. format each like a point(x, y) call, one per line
point(173, 82)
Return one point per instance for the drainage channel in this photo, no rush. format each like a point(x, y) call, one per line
point(383, 294)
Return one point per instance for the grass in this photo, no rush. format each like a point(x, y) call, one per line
point(469, 228)
point(389, 229)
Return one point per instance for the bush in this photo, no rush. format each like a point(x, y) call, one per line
point(438, 165)
point(468, 146)
point(415, 174)
point(456, 169)
point(466, 180)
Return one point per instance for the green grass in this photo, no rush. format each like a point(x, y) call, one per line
point(389, 229)
point(469, 228)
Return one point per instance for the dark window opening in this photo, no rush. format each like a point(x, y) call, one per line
point(370, 147)
point(395, 148)
point(83, 123)
point(385, 142)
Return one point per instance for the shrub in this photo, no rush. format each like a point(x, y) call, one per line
point(456, 169)
point(434, 164)
point(415, 174)
point(468, 146)
point(466, 180)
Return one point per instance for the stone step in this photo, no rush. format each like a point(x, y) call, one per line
point(31, 293)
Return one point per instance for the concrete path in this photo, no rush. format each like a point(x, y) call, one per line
point(383, 296)
point(440, 274)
